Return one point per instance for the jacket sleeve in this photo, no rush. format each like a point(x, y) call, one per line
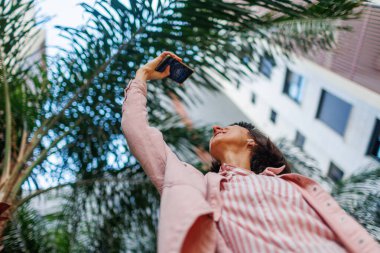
point(145, 143)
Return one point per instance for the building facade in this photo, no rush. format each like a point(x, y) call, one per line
point(328, 104)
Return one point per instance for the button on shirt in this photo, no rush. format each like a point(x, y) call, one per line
point(264, 213)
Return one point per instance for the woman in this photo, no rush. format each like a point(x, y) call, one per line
point(248, 202)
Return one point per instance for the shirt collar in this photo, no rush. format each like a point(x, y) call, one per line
point(229, 169)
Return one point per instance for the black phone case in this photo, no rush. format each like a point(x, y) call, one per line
point(179, 72)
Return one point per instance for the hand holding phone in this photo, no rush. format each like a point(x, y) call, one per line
point(179, 71)
point(149, 72)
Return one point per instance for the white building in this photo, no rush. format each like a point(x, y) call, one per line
point(328, 105)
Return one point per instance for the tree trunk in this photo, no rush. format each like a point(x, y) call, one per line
point(7, 208)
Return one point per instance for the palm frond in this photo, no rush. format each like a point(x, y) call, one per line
point(115, 215)
point(359, 196)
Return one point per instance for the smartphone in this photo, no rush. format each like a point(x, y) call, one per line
point(179, 71)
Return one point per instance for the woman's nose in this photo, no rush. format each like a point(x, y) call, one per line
point(216, 129)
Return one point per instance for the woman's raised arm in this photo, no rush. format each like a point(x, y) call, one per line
point(146, 143)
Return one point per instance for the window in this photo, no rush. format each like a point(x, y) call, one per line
point(333, 111)
point(374, 145)
point(294, 85)
point(253, 98)
point(299, 140)
point(273, 116)
point(266, 65)
point(335, 173)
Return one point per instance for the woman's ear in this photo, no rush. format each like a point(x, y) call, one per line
point(251, 142)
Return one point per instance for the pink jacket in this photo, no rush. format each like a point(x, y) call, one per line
point(190, 201)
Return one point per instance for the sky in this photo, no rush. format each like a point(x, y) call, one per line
point(66, 13)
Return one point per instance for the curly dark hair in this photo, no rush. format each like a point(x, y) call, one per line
point(264, 154)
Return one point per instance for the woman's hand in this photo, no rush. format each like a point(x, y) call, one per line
point(147, 71)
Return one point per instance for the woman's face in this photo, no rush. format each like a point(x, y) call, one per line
point(232, 138)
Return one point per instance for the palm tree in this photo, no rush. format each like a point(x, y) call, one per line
point(62, 119)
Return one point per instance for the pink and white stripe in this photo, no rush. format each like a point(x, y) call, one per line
point(264, 213)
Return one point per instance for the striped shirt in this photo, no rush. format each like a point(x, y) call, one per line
point(264, 213)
